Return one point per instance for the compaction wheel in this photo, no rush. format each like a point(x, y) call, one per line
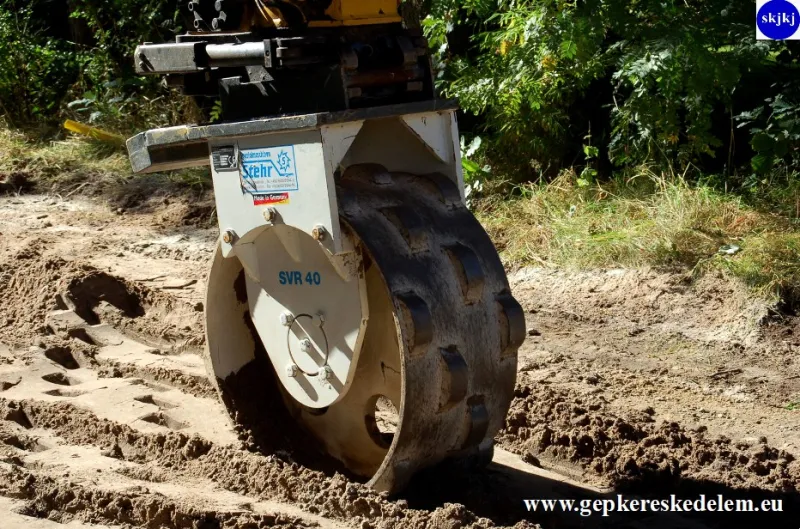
point(341, 290)
point(439, 346)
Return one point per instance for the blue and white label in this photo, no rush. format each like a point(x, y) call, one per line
point(269, 170)
point(778, 19)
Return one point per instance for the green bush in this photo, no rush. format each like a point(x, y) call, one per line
point(36, 71)
point(598, 84)
point(47, 75)
point(645, 80)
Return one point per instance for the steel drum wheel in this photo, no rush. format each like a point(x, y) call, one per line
point(440, 346)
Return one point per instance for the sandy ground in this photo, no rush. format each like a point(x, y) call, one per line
point(635, 381)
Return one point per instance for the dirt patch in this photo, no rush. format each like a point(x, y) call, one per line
point(62, 501)
point(197, 215)
point(88, 290)
point(156, 401)
point(165, 420)
point(6, 384)
point(621, 373)
point(60, 379)
point(28, 287)
point(636, 451)
point(15, 182)
point(62, 356)
point(68, 393)
point(33, 284)
point(264, 477)
point(713, 308)
point(11, 435)
point(13, 412)
point(83, 428)
point(199, 386)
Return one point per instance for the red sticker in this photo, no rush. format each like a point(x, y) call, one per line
point(271, 199)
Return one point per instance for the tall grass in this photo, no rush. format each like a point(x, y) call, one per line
point(73, 163)
point(647, 220)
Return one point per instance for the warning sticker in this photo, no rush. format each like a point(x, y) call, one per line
point(269, 171)
point(271, 199)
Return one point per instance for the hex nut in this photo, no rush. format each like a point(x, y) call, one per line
point(287, 319)
point(292, 371)
point(319, 233)
point(270, 214)
point(229, 236)
point(325, 373)
point(306, 346)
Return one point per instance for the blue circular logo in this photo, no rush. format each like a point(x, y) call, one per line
point(778, 19)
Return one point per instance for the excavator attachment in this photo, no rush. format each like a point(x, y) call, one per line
point(358, 316)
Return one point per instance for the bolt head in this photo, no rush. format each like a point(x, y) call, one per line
point(306, 346)
point(319, 233)
point(270, 214)
point(229, 236)
point(287, 319)
point(325, 374)
point(292, 371)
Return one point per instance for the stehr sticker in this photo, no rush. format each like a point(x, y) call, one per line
point(270, 170)
point(271, 199)
point(225, 158)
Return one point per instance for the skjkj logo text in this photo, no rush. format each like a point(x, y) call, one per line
point(778, 19)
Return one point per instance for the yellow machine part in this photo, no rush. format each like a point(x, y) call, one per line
point(359, 12)
point(340, 13)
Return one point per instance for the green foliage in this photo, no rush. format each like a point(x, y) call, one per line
point(89, 76)
point(775, 131)
point(117, 27)
point(589, 173)
point(515, 80)
point(216, 111)
point(660, 81)
point(596, 85)
point(35, 71)
point(475, 174)
point(110, 91)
